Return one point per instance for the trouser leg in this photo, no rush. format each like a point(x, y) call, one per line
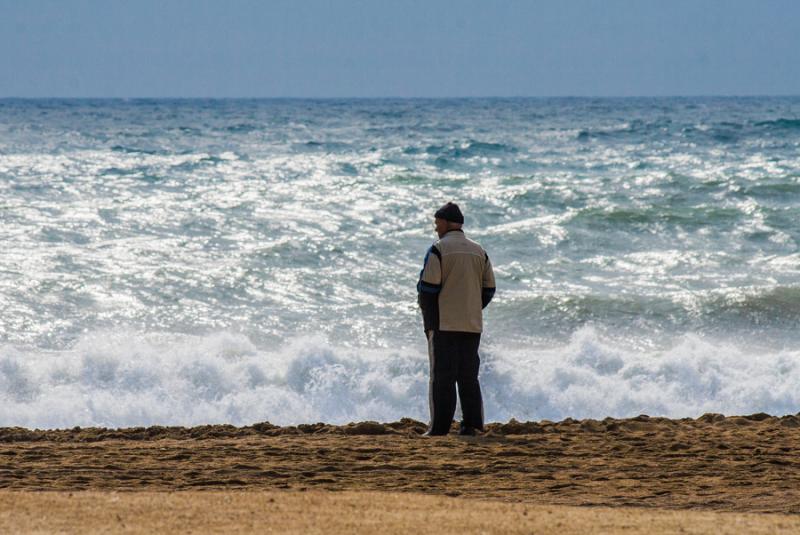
point(442, 389)
point(469, 389)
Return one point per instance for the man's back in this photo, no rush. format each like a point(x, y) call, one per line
point(466, 270)
point(456, 282)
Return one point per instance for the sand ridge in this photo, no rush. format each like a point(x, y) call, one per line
point(743, 464)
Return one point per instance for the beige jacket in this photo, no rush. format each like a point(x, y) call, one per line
point(455, 284)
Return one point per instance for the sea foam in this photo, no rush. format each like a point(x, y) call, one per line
point(119, 379)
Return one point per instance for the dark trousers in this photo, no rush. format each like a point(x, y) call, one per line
point(454, 362)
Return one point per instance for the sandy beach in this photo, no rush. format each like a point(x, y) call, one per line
point(348, 512)
point(626, 471)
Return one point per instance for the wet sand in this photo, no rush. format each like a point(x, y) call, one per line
point(743, 464)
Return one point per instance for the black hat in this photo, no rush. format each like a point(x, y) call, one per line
point(450, 212)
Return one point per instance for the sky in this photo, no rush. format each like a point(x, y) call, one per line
point(398, 48)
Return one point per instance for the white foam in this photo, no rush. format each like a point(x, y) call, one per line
point(127, 379)
point(591, 378)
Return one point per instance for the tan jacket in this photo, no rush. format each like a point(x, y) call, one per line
point(455, 284)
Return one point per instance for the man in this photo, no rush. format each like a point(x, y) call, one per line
point(455, 284)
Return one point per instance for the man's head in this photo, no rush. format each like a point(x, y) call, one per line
point(447, 218)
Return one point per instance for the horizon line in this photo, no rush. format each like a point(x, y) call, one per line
point(456, 97)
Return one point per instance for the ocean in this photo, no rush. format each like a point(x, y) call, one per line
point(182, 262)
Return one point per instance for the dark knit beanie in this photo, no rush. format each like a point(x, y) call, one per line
point(450, 212)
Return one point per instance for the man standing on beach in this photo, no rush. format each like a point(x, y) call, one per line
point(455, 285)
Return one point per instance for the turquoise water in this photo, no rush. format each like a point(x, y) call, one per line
point(180, 262)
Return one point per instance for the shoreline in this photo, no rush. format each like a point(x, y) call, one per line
point(404, 426)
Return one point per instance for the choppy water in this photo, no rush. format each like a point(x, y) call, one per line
point(184, 262)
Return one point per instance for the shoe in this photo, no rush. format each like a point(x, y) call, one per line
point(467, 431)
point(432, 434)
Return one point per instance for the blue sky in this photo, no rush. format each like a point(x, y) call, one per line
point(398, 48)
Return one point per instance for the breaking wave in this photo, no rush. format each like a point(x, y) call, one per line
point(130, 379)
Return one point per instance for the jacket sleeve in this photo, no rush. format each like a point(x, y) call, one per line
point(428, 288)
point(487, 284)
